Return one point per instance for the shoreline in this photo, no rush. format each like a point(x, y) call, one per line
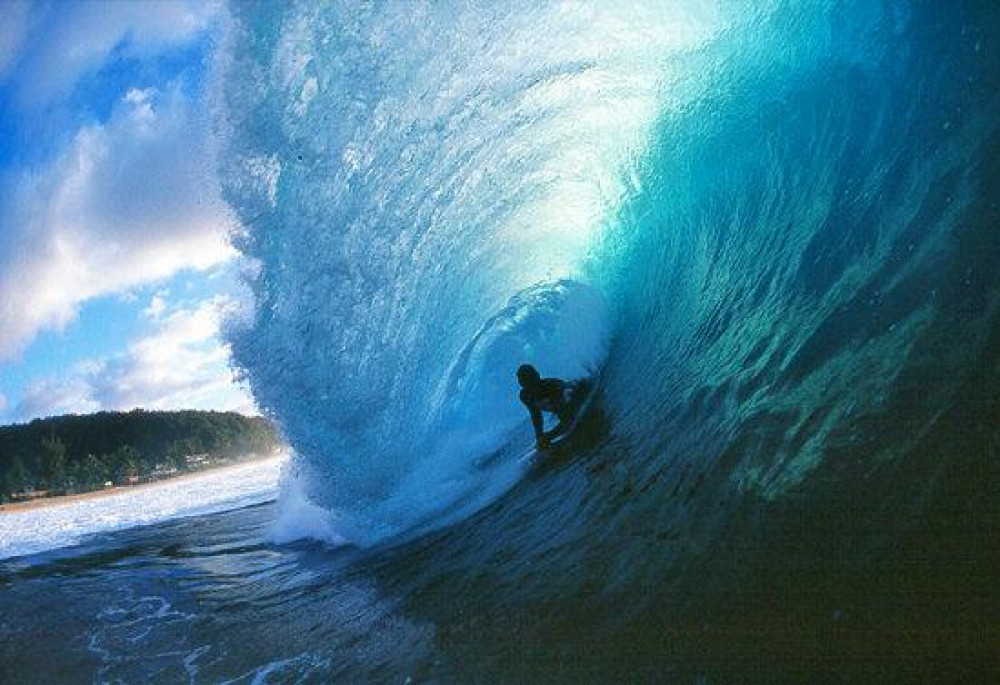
point(17, 507)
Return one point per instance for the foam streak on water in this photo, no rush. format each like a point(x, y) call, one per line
point(772, 226)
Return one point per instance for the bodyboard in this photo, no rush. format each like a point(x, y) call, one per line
point(585, 393)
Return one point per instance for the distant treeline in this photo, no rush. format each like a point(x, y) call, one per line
point(79, 453)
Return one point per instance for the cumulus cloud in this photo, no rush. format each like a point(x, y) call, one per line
point(157, 305)
point(131, 201)
point(182, 364)
point(169, 367)
point(50, 396)
point(72, 39)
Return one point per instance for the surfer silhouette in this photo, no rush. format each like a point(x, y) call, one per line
point(550, 395)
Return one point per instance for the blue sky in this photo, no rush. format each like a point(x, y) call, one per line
point(116, 273)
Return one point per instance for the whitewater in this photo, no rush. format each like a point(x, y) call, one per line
point(56, 524)
point(767, 232)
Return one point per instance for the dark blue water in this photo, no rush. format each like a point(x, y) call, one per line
point(770, 233)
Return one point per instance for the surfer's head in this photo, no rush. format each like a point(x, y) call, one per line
point(527, 375)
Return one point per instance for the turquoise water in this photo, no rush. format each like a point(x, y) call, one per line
point(758, 226)
point(769, 233)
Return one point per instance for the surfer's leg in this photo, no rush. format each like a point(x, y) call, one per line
point(565, 421)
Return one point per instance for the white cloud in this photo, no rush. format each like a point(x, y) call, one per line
point(49, 396)
point(157, 305)
point(72, 39)
point(3, 403)
point(179, 359)
point(181, 364)
point(129, 202)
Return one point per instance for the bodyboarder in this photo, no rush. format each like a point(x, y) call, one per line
point(550, 395)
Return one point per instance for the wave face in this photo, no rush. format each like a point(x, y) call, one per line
point(422, 189)
point(769, 232)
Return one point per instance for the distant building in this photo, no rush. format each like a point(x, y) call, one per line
point(196, 460)
point(29, 495)
point(162, 471)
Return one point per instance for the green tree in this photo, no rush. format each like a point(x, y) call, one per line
point(16, 476)
point(59, 451)
point(125, 462)
point(95, 471)
point(53, 461)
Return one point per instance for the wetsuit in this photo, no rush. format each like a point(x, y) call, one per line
point(551, 395)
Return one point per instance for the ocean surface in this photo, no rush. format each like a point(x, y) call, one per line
point(768, 231)
point(62, 524)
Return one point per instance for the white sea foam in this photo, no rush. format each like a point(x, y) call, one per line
point(66, 524)
point(300, 519)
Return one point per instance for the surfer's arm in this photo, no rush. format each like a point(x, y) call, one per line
point(538, 424)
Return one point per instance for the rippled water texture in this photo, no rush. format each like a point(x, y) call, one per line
point(768, 231)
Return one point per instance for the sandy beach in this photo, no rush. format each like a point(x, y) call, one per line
point(58, 500)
